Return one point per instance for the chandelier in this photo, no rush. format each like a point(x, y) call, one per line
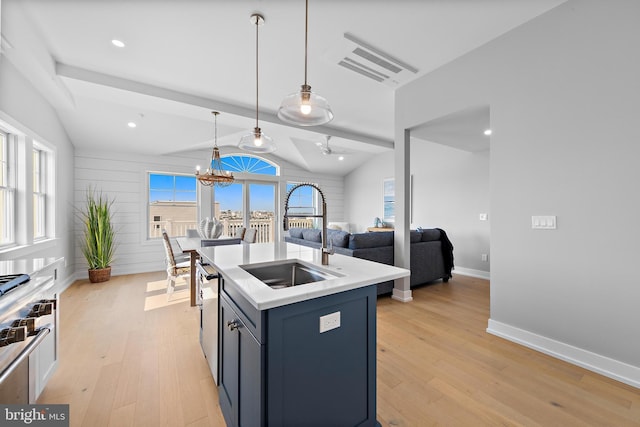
point(214, 173)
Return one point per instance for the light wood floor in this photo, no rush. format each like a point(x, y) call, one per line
point(129, 357)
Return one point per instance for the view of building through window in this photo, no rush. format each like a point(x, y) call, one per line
point(303, 201)
point(173, 201)
point(246, 204)
point(172, 204)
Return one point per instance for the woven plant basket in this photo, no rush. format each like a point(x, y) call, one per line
point(100, 275)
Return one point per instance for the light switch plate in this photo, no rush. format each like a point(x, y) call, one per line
point(329, 322)
point(544, 222)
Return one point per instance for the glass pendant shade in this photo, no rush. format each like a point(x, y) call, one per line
point(257, 142)
point(305, 108)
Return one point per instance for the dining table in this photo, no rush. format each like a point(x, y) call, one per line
point(190, 245)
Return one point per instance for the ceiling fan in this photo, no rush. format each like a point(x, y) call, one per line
point(328, 151)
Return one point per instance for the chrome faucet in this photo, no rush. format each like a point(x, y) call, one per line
point(325, 251)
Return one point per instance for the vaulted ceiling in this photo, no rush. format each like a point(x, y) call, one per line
point(183, 59)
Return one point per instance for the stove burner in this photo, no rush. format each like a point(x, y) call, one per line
point(11, 281)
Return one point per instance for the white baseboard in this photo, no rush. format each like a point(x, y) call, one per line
point(480, 274)
point(603, 365)
point(62, 286)
point(402, 296)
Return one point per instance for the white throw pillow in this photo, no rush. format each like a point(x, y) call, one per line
point(210, 228)
point(202, 228)
point(216, 230)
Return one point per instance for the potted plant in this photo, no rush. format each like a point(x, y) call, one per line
point(98, 245)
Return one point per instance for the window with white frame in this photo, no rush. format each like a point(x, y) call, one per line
point(7, 190)
point(303, 201)
point(39, 193)
point(172, 204)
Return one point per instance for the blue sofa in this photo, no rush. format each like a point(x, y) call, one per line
point(431, 251)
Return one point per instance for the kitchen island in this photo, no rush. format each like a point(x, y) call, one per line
point(297, 355)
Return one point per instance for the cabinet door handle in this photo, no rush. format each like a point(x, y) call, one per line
point(233, 324)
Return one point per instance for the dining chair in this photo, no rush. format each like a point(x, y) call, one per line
point(192, 233)
point(250, 235)
point(239, 232)
point(174, 269)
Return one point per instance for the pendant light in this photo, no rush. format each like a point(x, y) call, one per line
point(305, 108)
point(256, 141)
point(214, 173)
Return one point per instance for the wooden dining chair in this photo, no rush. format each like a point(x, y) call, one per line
point(174, 269)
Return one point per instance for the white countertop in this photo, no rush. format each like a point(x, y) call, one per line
point(354, 272)
point(41, 280)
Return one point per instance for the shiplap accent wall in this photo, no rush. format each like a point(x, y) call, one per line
point(122, 176)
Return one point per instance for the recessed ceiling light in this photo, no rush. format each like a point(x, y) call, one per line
point(131, 124)
point(341, 158)
point(487, 132)
point(118, 43)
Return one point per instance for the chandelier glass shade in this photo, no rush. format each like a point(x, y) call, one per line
point(215, 174)
point(256, 141)
point(305, 108)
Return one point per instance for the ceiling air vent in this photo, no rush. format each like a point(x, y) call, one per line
point(359, 56)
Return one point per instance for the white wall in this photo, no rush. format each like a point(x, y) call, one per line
point(23, 108)
point(123, 178)
point(450, 190)
point(363, 192)
point(563, 92)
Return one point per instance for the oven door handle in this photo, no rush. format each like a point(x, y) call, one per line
point(42, 333)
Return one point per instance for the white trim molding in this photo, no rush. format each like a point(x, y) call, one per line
point(606, 366)
point(402, 296)
point(480, 274)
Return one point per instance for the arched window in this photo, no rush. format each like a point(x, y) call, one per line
point(248, 202)
point(249, 164)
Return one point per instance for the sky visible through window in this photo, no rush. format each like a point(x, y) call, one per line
point(182, 188)
point(301, 200)
point(172, 188)
point(248, 164)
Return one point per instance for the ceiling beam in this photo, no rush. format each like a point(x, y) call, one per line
point(95, 77)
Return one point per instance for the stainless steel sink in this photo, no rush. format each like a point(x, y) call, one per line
point(284, 274)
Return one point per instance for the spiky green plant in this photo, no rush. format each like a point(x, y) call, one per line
point(98, 246)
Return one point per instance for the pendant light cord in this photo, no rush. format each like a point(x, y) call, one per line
point(306, 31)
point(215, 137)
point(257, 25)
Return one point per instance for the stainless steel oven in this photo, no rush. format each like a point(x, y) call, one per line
point(207, 294)
point(28, 347)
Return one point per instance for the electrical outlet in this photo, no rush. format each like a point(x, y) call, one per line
point(485, 257)
point(329, 322)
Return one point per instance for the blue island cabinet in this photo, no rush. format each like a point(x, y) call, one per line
point(278, 369)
